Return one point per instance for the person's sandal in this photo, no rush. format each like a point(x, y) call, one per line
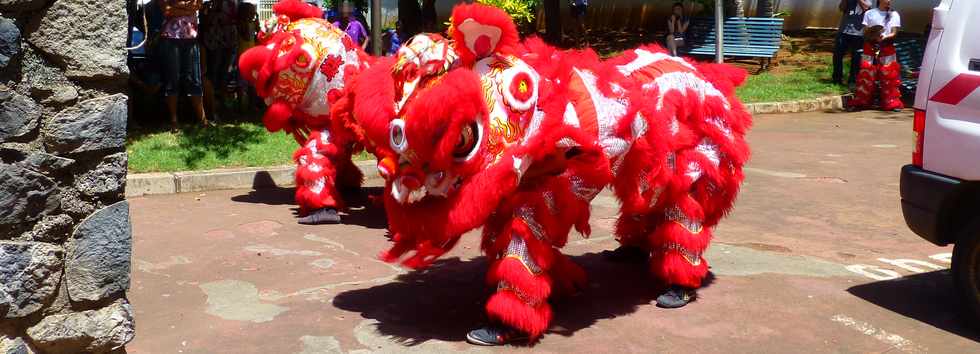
point(676, 297)
point(495, 336)
point(321, 217)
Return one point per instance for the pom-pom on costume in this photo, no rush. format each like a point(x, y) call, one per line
point(483, 130)
point(301, 69)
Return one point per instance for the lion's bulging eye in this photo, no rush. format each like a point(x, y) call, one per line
point(396, 138)
point(468, 142)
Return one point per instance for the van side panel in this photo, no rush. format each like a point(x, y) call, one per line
point(952, 133)
point(939, 16)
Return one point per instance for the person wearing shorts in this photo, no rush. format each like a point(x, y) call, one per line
point(180, 57)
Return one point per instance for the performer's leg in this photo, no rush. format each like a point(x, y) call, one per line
point(890, 72)
point(349, 176)
point(866, 86)
point(840, 48)
point(631, 231)
point(520, 304)
point(316, 177)
point(854, 44)
point(677, 247)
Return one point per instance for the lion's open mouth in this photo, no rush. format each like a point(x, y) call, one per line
point(437, 185)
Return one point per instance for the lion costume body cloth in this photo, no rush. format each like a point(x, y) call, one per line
point(483, 130)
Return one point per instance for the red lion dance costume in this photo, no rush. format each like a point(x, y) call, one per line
point(481, 130)
point(301, 70)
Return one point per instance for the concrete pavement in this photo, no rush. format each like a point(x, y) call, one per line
point(815, 258)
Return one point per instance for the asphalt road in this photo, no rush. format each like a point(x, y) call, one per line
point(815, 258)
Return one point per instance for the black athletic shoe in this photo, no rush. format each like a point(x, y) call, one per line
point(495, 335)
point(676, 297)
point(627, 254)
point(320, 217)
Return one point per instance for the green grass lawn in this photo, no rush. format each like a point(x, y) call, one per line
point(222, 146)
point(797, 84)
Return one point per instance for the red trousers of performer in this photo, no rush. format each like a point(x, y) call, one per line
point(884, 70)
point(323, 165)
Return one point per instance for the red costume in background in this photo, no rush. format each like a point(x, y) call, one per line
point(301, 68)
point(880, 74)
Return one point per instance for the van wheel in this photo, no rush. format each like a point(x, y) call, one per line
point(966, 272)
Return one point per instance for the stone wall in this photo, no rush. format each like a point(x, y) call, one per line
point(65, 236)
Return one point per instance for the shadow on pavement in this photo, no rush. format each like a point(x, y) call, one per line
point(270, 195)
point(446, 300)
point(927, 297)
point(361, 209)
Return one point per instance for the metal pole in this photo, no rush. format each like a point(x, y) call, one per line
point(720, 30)
point(376, 27)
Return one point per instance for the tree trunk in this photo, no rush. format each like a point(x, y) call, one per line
point(765, 8)
point(735, 8)
point(552, 21)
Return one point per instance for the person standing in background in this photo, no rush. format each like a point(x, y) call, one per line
point(880, 70)
point(430, 21)
point(676, 28)
point(350, 24)
point(181, 56)
point(410, 15)
point(850, 38)
point(579, 9)
point(220, 40)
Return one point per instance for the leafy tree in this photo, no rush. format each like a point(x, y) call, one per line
point(522, 11)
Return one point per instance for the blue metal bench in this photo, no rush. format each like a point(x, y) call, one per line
point(744, 37)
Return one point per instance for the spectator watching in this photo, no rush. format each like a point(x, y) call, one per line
point(181, 56)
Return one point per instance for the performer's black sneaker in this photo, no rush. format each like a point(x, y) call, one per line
point(676, 297)
point(627, 254)
point(495, 335)
point(320, 217)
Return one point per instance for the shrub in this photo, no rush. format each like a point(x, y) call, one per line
point(522, 11)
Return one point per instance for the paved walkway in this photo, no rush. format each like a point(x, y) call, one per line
point(800, 266)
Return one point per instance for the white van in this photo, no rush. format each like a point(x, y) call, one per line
point(941, 188)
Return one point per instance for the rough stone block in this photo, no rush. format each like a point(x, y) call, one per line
point(97, 331)
point(765, 108)
point(150, 183)
point(109, 177)
point(235, 178)
point(809, 105)
point(788, 107)
point(14, 345)
point(36, 161)
point(52, 229)
point(19, 115)
point(29, 276)
point(90, 125)
point(9, 40)
point(99, 255)
point(25, 195)
point(837, 102)
point(87, 38)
